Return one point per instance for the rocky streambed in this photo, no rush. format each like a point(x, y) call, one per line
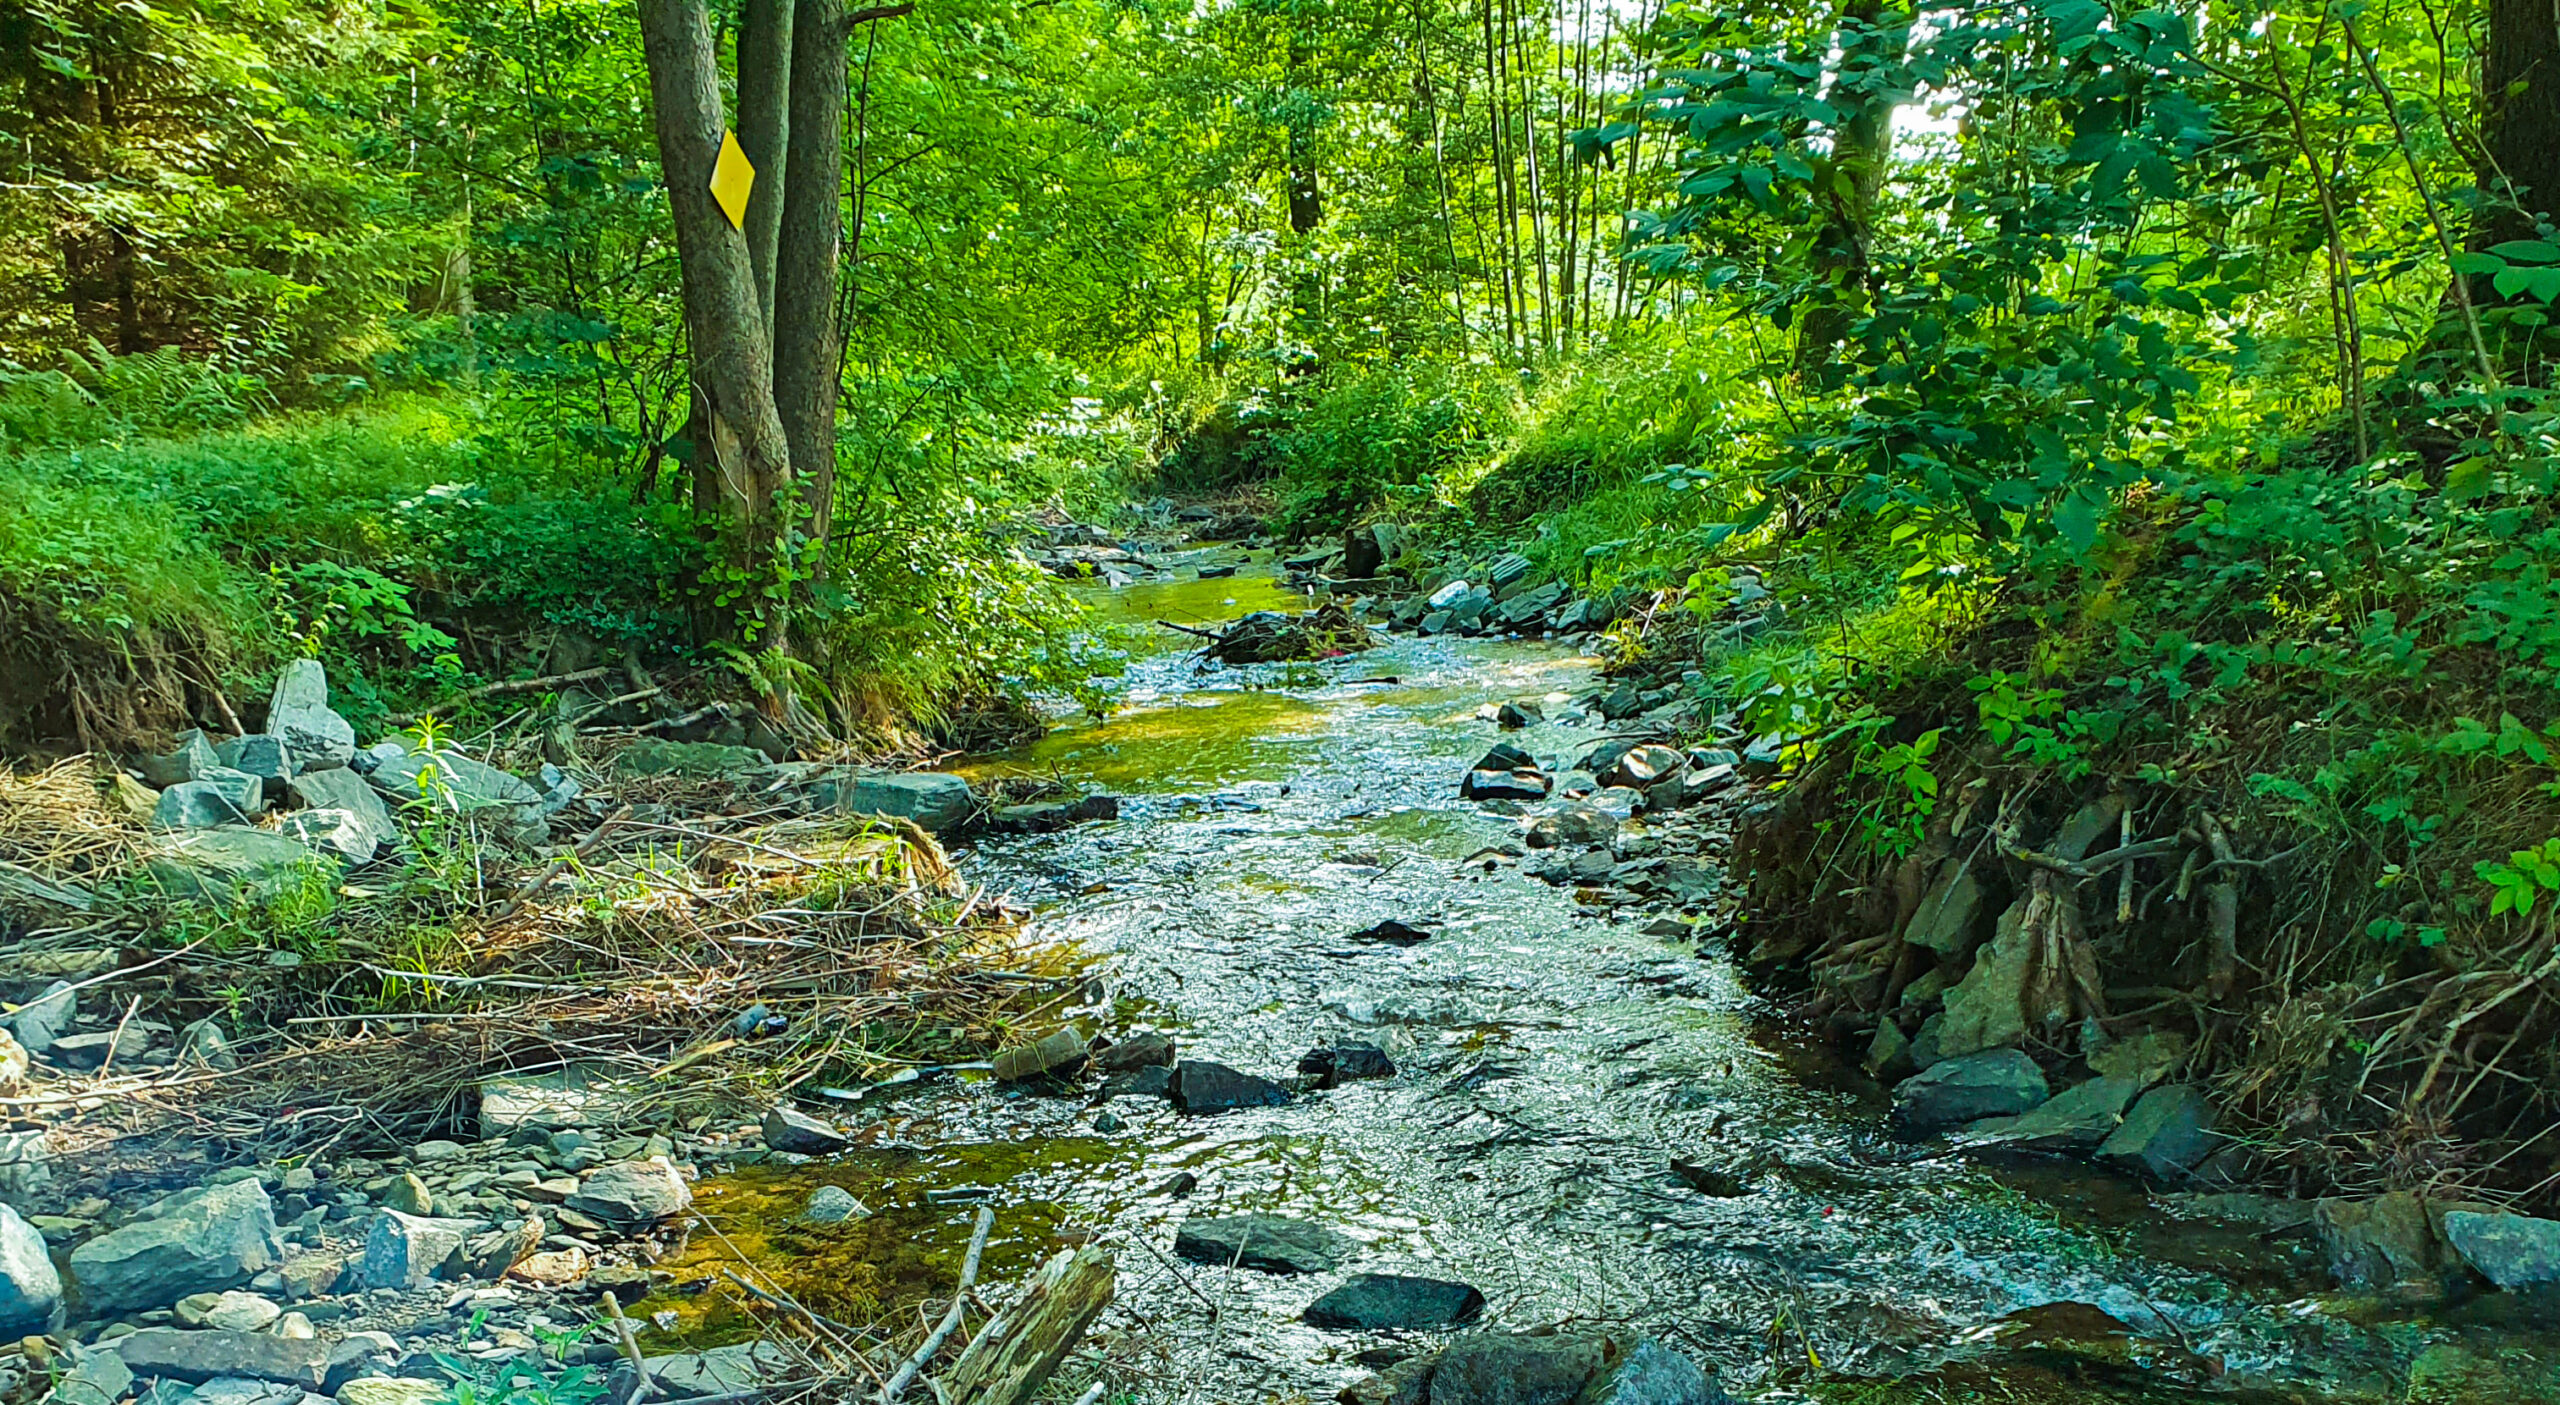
point(1412, 1066)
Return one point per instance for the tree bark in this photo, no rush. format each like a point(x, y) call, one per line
point(1306, 194)
point(1861, 149)
point(766, 60)
point(2520, 100)
point(742, 456)
point(805, 345)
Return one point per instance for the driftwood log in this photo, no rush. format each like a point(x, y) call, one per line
point(1021, 1347)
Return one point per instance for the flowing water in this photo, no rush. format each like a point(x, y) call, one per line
point(1554, 1056)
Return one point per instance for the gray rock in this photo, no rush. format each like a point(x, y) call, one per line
point(96, 1377)
point(91, 1050)
point(1271, 1243)
point(632, 1193)
point(204, 1044)
point(197, 1357)
point(30, 1289)
point(408, 1251)
point(936, 801)
point(789, 1129)
point(1944, 920)
point(1137, 1051)
point(194, 753)
point(26, 1161)
point(1953, 1092)
point(1653, 1374)
point(220, 796)
point(723, 1370)
point(2076, 1119)
point(1571, 824)
point(1523, 784)
point(1345, 1063)
point(197, 1241)
point(463, 786)
point(1494, 1368)
point(260, 754)
point(1507, 570)
point(1518, 713)
point(355, 1356)
point(240, 1390)
point(833, 1204)
point(1521, 609)
point(1641, 766)
point(2376, 1243)
point(314, 737)
point(2512, 1251)
point(1987, 1009)
point(1375, 1302)
point(1889, 1053)
point(1202, 1086)
point(218, 865)
point(42, 1020)
point(362, 827)
point(2165, 1135)
point(651, 756)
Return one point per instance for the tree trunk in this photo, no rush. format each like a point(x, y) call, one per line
point(766, 59)
point(805, 347)
point(2520, 120)
point(742, 456)
point(1306, 196)
point(1861, 149)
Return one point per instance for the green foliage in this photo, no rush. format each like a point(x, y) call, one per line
point(1354, 439)
point(2518, 883)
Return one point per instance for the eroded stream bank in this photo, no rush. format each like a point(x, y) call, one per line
point(1554, 1058)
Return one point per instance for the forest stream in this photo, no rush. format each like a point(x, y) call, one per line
point(1554, 1057)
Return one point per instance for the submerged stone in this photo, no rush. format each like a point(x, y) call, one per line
point(1202, 1086)
point(1372, 1302)
point(1270, 1243)
point(1953, 1092)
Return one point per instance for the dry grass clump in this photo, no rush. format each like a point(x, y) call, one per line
point(61, 823)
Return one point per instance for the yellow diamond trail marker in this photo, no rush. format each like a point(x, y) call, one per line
point(732, 176)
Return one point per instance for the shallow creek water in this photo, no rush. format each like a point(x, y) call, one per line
point(1554, 1058)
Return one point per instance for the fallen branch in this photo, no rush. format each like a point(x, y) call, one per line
point(950, 1323)
point(500, 690)
point(2091, 868)
point(585, 847)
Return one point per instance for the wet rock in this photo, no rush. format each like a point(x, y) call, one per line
point(1518, 713)
point(1202, 1086)
point(197, 1357)
point(1620, 703)
point(1505, 785)
point(30, 1289)
point(2076, 1119)
point(1270, 1243)
point(936, 801)
point(2377, 1243)
point(260, 754)
point(1150, 1081)
point(1571, 824)
point(362, 826)
point(1501, 1369)
point(1049, 816)
point(1136, 1051)
point(1694, 787)
point(2168, 1132)
point(1361, 556)
point(1987, 1009)
point(1378, 1302)
point(509, 807)
point(2512, 1251)
point(651, 756)
point(1953, 1092)
point(1652, 1374)
point(632, 1194)
point(723, 1370)
point(1343, 1063)
point(1525, 609)
point(314, 737)
point(196, 1241)
point(407, 1251)
point(1717, 1181)
point(1393, 932)
point(42, 1020)
point(832, 1204)
point(789, 1129)
point(221, 796)
point(1889, 1054)
point(1057, 1053)
point(1641, 766)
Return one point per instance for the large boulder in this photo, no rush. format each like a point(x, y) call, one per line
point(1653, 1374)
point(1953, 1092)
point(462, 786)
point(1271, 1243)
point(632, 1194)
point(1497, 1368)
point(936, 801)
point(2512, 1251)
point(1988, 1008)
point(216, 865)
point(197, 1241)
point(217, 796)
point(2076, 1119)
point(194, 753)
point(213, 1354)
point(2378, 1243)
point(30, 1289)
point(298, 714)
point(261, 754)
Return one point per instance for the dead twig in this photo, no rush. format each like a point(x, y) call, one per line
point(950, 1322)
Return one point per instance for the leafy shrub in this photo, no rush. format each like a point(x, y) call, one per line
point(1355, 438)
